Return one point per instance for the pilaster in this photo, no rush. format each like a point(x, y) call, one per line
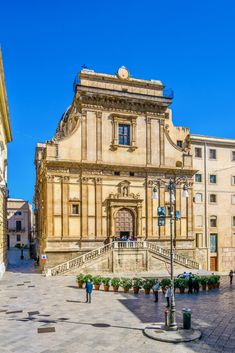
point(50, 206)
point(98, 207)
point(148, 141)
point(84, 135)
point(65, 205)
point(149, 209)
point(162, 143)
point(99, 136)
point(84, 207)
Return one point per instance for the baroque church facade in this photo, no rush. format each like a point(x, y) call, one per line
point(95, 178)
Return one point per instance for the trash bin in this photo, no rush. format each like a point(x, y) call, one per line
point(187, 313)
point(167, 321)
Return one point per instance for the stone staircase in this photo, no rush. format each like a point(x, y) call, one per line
point(85, 259)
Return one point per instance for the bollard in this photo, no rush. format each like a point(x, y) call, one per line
point(187, 313)
point(166, 318)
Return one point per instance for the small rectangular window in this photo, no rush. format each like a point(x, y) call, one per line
point(212, 198)
point(75, 209)
point(198, 152)
point(180, 143)
point(124, 134)
point(213, 243)
point(233, 155)
point(116, 173)
point(132, 174)
point(18, 237)
point(233, 199)
point(233, 179)
point(198, 178)
point(213, 221)
point(213, 179)
point(212, 154)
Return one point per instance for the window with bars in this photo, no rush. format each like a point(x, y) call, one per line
point(212, 198)
point(124, 134)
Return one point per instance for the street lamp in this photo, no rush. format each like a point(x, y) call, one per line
point(171, 187)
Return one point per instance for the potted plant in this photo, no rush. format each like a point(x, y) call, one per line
point(210, 282)
point(115, 282)
point(203, 281)
point(217, 281)
point(147, 285)
point(126, 284)
point(137, 284)
point(106, 282)
point(181, 284)
point(88, 277)
point(97, 280)
point(164, 283)
point(80, 280)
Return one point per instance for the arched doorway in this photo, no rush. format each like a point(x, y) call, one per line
point(124, 223)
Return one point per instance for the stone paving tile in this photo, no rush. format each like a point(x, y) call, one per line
point(123, 315)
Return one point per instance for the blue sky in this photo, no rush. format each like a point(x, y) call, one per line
point(189, 45)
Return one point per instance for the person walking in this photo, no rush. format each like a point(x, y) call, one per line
point(89, 288)
point(167, 295)
point(156, 288)
point(231, 276)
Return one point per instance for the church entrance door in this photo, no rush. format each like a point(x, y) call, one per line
point(124, 224)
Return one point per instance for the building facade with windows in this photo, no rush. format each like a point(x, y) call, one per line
point(214, 201)
point(5, 138)
point(19, 222)
point(94, 179)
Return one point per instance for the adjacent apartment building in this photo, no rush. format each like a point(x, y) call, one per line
point(5, 138)
point(214, 201)
point(20, 222)
point(95, 178)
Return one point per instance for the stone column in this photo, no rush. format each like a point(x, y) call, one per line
point(99, 136)
point(65, 206)
point(50, 206)
point(139, 221)
point(84, 207)
point(98, 207)
point(133, 135)
point(148, 141)
point(149, 209)
point(190, 212)
point(162, 142)
point(84, 135)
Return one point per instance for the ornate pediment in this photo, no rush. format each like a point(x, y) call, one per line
point(124, 192)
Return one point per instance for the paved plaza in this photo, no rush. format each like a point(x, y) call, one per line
point(113, 322)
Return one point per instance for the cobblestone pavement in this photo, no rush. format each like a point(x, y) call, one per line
point(113, 322)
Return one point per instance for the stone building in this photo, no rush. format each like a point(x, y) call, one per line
point(5, 137)
point(214, 201)
point(95, 178)
point(19, 221)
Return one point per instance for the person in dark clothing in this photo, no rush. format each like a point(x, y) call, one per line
point(89, 288)
point(195, 285)
point(190, 285)
point(231, 276)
